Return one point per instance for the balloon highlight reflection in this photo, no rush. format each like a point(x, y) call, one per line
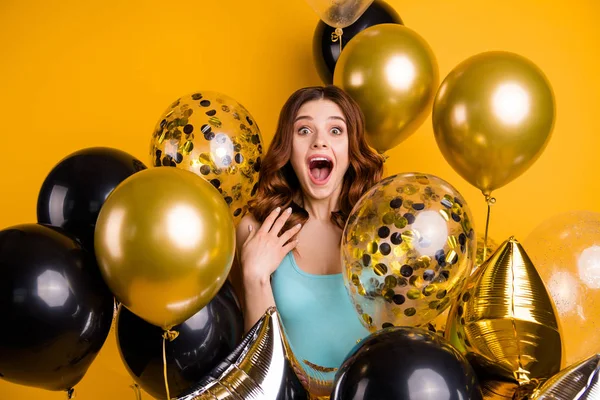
point(165, 241)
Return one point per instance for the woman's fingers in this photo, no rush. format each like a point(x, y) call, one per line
point(251, 233)
point(280, 222)
point(290, 246)
point(268, 222)
point(287, 235)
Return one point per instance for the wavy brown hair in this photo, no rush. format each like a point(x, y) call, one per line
point(278, 185)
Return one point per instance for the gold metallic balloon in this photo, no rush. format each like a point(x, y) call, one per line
point(566, 251)
point(505, 321)
point(438, 325)
point(392, 74)
point(492, 117)
point(497, 390)
point(407, 249)
point(339, 13)
point(580, 381)
point(260, 368)
point(165, 243)
point(215, 137)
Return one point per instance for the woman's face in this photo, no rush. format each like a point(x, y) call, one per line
point(320, 148)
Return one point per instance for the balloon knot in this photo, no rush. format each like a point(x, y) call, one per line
point(490, 200)
point(335, 36)
point(170, 335)
point(70, 393)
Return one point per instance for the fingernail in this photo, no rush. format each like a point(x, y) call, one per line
point(250, 228)
point(299, 226)
point(278, 209)
point(289, 210)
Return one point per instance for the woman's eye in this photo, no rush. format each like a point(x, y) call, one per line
point(336, 131)
point(304, 131)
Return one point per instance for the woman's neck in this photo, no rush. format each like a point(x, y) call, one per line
point(321, 209)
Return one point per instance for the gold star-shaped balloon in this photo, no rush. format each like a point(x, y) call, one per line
point(505, 321)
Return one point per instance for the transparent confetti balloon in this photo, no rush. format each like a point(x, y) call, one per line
point(215, 137)
point(407, 250)
point(565, 249)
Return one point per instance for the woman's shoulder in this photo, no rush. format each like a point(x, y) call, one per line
point(243, 230)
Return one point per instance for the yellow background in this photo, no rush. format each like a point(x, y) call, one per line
point(76, 74)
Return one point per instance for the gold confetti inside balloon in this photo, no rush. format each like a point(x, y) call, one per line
point(576, 382)
point(165, 243)
point(215, 137)
point(505, 320)
point(407, 249)
point(438, 325)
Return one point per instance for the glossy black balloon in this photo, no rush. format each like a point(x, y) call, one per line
point(76, 188)
point(326, 52)
point(55, 310)
point(204, 341)
point(405, 363)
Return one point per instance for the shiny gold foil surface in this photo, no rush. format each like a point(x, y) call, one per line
point(165, 242)
point(505, 321)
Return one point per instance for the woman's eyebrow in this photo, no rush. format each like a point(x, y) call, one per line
point(303, 117)
point(338, 117)
point(311, 118)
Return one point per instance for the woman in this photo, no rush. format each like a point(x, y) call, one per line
point(316, 169)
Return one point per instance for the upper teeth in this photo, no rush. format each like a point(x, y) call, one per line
point(319, 159)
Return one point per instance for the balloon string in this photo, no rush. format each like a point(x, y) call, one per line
point(490, 201)
point(136, 390)
point(170, 335)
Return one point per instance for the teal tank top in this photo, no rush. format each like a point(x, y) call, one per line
point(318, 317)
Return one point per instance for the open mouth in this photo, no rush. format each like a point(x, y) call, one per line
point(320, 169)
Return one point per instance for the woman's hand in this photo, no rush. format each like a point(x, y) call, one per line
point(264, 249)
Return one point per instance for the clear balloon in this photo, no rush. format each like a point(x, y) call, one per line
point(566, 251)
point(392, 74)
point(165, 243)
point(339, 13)
point(492, 117)
point(407, 249)
point(215, 137)
point(327, 51)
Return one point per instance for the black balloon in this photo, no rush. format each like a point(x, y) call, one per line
point(405, 363)
point(55, 310)
point(326, 52)
point(204, 341)
point(74, 191)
